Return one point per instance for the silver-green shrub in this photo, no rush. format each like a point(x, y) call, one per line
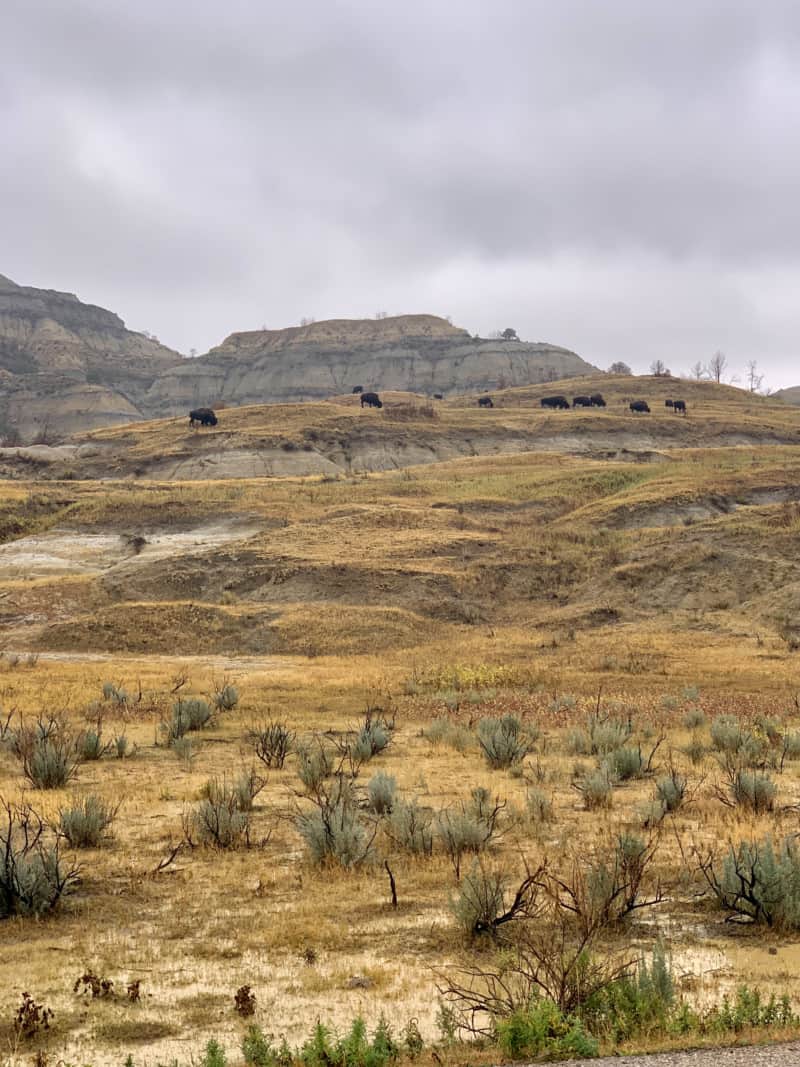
point(410, 827)
point(381, 793)
point(335, 829)
point(84, 824)
point(504, 741)
point(479, 901)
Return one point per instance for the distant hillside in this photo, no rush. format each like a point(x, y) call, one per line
point(67, 366)
point(411, 353)
point(790, 395)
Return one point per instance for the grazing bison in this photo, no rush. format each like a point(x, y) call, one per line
point(358, 389)
point(372, 400)
point(669, 403)
point(438, 396)
point(485, 402)
point(597, 400)
point(555, 402)
point(581, 402)
point(638, 406)
point(203, 417)
point(679, 405)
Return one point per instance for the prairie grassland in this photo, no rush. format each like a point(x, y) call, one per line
point(548, 587)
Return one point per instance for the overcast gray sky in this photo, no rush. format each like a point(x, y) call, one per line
point(617, 176)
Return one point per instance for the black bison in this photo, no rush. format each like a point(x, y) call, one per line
point(581, 402)
point(372, 400)
point(555, 402)
point(597, 400)
point(358, 389)
point(438, 396)
point(485, 402)
point(202, 417)
point(669, 403)
point(679, 405)
point(639, 406)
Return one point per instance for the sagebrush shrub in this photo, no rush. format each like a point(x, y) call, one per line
point(761, 881)
point(452, 734)
point(381, 793)
point(538, 805)
point(370, 740)
point(754, 791)
point(90, 746)
point(226, 698)
point(33, 873)
point(504, 742)
point(315, 763)
point(410, 827)
point(219, 822)
point(335, 829)
point(480, 900)
point(596, 789)
point(84, 824)
point(671, 790)
point(625, 763)
point(50, 762)
point(468, 827)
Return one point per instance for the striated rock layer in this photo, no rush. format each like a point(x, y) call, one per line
point(411, 353)
point(67, 366)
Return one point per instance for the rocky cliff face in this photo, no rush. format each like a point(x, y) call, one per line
point(66, 365)
point(414, 353)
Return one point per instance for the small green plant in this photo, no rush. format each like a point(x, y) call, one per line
point(315, 762)
point(84, 824)
point(213, 1055)
point(543, 1028)
point(90, 746)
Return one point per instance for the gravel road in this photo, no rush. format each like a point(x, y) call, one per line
point(786, 1055)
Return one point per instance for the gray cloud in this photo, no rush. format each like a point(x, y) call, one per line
point(617, 177)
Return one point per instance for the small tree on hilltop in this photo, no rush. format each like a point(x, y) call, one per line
point(619, 368)
point(754, 379)
point(717, 365)
point(659, 369)
point(509, 335)
point(698, 371)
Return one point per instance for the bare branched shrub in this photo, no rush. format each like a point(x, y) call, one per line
point(504, 741)
point(84, 824)
point(481, 905)
point(272, 743)
point(757, 880)
point(33, 873)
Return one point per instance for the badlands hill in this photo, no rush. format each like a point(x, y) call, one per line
point(790, 395)
point(66, 365)
point(414, 353)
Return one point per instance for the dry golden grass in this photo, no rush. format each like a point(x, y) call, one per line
point(532, 584)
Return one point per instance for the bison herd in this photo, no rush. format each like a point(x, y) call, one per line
point(206, 417)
